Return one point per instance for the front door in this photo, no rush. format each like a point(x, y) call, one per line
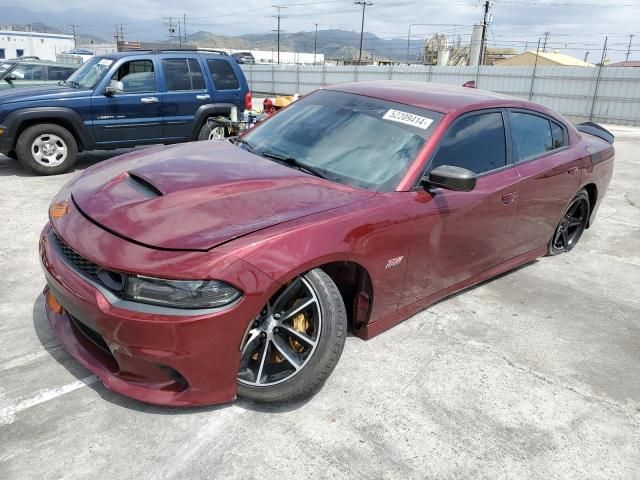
point(457, 235)
point(133, 114)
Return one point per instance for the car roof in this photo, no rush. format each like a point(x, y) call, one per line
point(39, 62)
point(432, 96)
point(117, 55)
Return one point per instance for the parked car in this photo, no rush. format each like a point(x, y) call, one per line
point(244, 57)
point(121, 100)
point(186, 275)
point(28, 72)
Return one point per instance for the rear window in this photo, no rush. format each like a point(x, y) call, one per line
point(224, 77)
point(532, 135)
point(182, 74)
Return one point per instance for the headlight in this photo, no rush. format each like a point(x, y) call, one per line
point(180, 293)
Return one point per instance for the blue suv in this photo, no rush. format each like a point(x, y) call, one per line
point(121, 100)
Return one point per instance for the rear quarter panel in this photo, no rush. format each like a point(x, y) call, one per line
point(598, 168)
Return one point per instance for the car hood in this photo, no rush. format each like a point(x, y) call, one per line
point(199, 195)
point(53, 92)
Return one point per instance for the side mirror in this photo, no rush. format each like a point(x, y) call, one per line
point(451, 178)
point(113, 88)
point(10, 78)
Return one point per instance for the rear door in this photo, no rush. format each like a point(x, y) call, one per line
point(548, 167)
point(133, 114)
point(457, 235)
point(185, 92)
point(228, 88)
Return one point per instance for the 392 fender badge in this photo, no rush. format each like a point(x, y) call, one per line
point(393, 262)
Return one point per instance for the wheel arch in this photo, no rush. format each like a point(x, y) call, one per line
point(354, 284)
point(207, 111)
point(20, 120)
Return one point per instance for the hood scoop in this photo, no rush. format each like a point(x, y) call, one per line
point(142, 185)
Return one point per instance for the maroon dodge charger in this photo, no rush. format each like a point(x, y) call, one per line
point(187, 275)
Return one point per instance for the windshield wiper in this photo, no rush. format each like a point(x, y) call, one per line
point(294, 163)
point(237, 140)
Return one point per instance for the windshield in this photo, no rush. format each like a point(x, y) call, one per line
point(89, 73)
point(5, 67)
point(360, 141)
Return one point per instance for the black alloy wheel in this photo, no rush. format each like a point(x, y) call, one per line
point(572, 225)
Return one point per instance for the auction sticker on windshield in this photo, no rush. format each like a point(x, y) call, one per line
point(408, 119)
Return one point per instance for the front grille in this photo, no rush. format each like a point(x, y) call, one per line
point(113, 281)
point(81, 264)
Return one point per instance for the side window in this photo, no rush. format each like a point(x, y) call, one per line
point(531, 134)
point(182, 74)
point(58, 73)
point(136, 76)
point(26, 73)
point(476, 142)
point(557, 135)
point(224, 77)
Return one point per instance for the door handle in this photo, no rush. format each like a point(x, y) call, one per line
point(510, 197)
point(204, 96)
point(572, 171)
point(149, 100)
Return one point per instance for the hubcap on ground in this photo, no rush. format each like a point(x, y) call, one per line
point(283, 337)
point(572, 225)
point(49, 150)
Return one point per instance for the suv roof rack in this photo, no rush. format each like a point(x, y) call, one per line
point(201, 50)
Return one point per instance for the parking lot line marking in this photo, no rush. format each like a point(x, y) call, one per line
point(8, 414)
point(28, 358)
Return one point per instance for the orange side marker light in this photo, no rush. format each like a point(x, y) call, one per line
point(53, 304)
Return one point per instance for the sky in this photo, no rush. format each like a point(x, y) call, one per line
point(574, 26)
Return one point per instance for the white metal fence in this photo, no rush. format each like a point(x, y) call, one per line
point(605, 95)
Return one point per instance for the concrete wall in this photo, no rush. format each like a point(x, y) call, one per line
point(43, 45)
point(576, 92)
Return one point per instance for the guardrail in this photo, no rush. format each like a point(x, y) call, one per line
point(600, 94)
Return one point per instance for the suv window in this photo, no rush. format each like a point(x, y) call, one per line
point(136, 76)
point(475, 142)
point(182, 74)
point(534, 135)
point(224, 77)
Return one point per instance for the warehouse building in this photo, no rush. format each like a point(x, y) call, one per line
point(545, 59)
point(17, 43)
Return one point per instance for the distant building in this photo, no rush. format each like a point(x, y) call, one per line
point(545, 59)
point(628, 63)
point(18, 43)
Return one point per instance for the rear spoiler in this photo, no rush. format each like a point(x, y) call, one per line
point(596, 130)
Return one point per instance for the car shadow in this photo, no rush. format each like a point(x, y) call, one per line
point(12, 168)
point(53, 347)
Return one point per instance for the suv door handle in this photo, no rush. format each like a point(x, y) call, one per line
point(204, 96)
point(510, 197)
point(149, 100)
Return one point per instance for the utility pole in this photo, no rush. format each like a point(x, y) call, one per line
point(595, 90)
point(119, 37)
point(184, 28)
point(315, 45)
point(544, 45)
point(75, 39)
point(484, 32)
point(364, 6)
point(172, 29)
point(629, 47)
point(278, 7)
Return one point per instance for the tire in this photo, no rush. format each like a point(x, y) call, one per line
point(325, 319)
point(35, 143)
point(211, 132)
point(572, 225)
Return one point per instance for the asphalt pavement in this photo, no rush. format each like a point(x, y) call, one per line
point(535, 374)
